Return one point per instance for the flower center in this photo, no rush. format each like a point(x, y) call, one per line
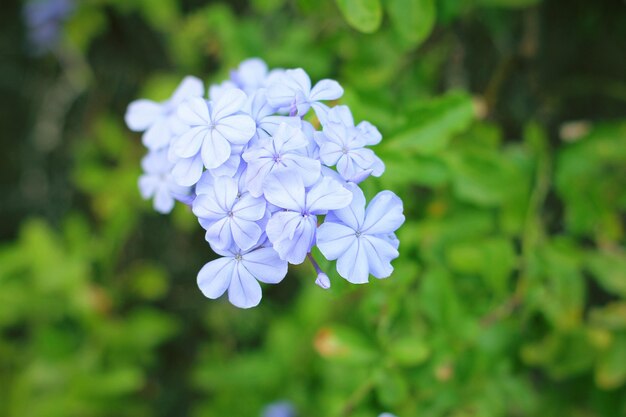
point(344, 150)
point(230, 214)
point(238, 257)
point(357, 233)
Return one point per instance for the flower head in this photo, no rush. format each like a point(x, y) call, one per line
point(362, 240)
point(239, 273)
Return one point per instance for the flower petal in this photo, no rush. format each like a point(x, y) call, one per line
point(206, 207)
point(282, 225)
point(354, 214)
point(220, 233)
point(187, 171)
point(327, 194)
point(309, 169)
point(379, 254)
point(148, 185)
point(294, 250)
point(194, 112)
point(237, 129)
point(215, 276)
point(190, 86)
point(265, 265)
point(285, 189)
point(158, 135)
point(189, 143)
point(244, 290)
point(334, 239)
point(163, 200)
point(326, 90)
point(353, 264)
point(229, 102)
point(215, 150)
point(383, 214)
point(249, 208)
point(141, 114)
point(246, 233)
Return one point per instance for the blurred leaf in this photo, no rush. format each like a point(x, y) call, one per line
point(611, 317)
point(391, 388)
point(363, 15)
point(409, 351)
point(413, 19)
point(432, 124)
point(609, 269)
point(610, 372)
point(344, 344)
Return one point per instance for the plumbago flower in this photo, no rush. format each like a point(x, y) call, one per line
point(264, 183)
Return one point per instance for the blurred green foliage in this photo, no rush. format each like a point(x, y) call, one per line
point(504, 131)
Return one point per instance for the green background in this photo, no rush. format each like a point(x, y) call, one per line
point(504, 125)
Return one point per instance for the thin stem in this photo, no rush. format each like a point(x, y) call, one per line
point(314, 263)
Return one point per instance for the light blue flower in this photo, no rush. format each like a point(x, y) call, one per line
point(44, 19)
point(159, 121)
point(250, 75)
point(342, 144)
point(286, 150)
point(293, 93)
point(279, 409)
point(157, 182)
point(214, 128)
point(264, 115)
point(292, 230)
point(238, 272)
point(362, 240)
point(228, 215)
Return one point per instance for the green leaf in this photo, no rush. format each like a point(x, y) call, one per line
point(363, 15)
point(391, 388)
point(432, 124)
point(610, 371)
point(413, 19)
point(409, 351)
point(609, 269)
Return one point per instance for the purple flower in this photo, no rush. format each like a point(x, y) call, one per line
point(229, 216)
point(342, 144)
point(43, 19)
point(292, 92)
point(157, 182)
point(159, 121)
point(238, 272)
point(362, 240)
point(267, 122)
point(279, 409)
point(250, 76)
point(292, 231)
point(214, 129)
point(286, 150)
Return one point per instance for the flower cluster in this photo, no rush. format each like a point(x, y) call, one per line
point(260, 177)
